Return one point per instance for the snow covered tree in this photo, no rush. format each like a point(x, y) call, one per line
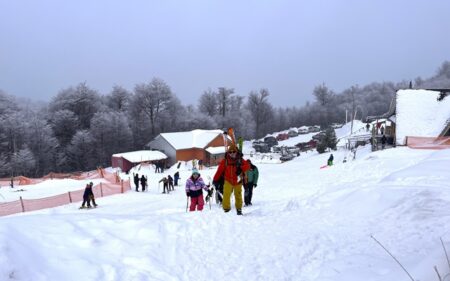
point(260, 109)
point(64, 124)
point(111, 134)
point(4, 167)
point(153, 99)
point(224, 96)
point(327, 141)
point(80, 151)
point(208, 103)
point(8, 104)
point(42, 144)
point(22, 163)
point(119, 99)
point(323, 94)
point(83, 101)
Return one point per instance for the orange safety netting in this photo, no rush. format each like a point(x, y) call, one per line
point(19, 180)
point(428, 142)
point(26, 205)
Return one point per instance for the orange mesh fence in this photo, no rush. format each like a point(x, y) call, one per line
point(428, 142)
point(43, 203)
point(98, 173)
point(19, 180)
point(26, 205)
point(59, 175)
point(7, 182)
point(10, 208)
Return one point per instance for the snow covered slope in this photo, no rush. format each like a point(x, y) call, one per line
point(305, 224)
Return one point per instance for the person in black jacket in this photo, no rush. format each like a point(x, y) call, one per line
point(176, 177)
point(330, 160)
point(170, 179)
point(143, 182)
point(136, 181)
point(88, 195)
point(383, 141)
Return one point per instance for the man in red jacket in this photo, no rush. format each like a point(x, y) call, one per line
point(232, 168)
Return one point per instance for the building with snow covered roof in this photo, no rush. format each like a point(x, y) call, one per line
point(205, 145)
point(127, 160)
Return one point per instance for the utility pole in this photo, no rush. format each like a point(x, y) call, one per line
point(13, 161)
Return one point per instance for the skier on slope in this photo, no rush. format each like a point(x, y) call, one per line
point(88, 195)
point(194, 187)
point(232, 168)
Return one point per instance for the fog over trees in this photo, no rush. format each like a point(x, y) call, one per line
point(79, 129)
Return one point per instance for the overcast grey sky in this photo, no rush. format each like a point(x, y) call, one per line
point(286, 46)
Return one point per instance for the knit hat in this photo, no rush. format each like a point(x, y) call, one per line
point(195, 171)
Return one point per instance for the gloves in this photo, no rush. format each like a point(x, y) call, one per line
point(210, 192)
point(216, 183)
point(255, 185)
point(187, 193)
point(238, 170)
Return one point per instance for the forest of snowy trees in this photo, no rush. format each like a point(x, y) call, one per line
point(79, 129)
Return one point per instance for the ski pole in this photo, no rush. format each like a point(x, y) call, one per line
point(187, 203)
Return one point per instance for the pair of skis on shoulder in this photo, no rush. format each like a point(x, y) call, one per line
point(229, 138)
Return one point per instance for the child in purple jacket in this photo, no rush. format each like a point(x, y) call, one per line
point(194, 186)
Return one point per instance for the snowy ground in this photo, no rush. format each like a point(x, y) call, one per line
point(305, 224)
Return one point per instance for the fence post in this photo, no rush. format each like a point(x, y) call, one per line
point(21, 203)
point(70, 197)
point(101, 190)
point(121, 186)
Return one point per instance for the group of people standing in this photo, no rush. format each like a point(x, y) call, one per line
point(88, 196)
point(232, 173)
point(167, 184)
point(143, 180)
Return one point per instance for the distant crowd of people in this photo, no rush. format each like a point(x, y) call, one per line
point(233, 174)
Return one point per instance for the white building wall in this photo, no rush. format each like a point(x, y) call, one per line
point(159, 143)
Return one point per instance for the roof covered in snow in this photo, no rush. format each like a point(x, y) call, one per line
point(192, 139)
point(420, 114)
point(142, 156)
point(216, 150)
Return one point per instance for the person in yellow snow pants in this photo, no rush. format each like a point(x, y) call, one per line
point(228, 188)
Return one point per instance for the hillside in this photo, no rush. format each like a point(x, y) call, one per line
point(306, 224)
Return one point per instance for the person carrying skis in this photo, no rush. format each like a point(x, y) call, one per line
point(143, 182)
point(136, 181)
point(194, 187)
point(251, 181)
point(232, 168)
point(88, 195)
